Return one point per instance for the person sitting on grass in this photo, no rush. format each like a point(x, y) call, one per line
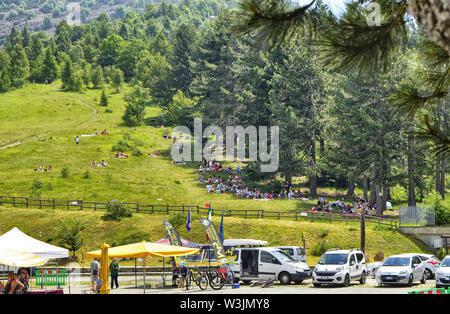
point(50, 168)
point(93, 163)
point(104, 132)
point(103, 164)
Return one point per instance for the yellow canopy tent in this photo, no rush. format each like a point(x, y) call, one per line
point(21, 259)
point(141, 250)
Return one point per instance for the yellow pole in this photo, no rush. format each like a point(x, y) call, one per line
point(104, 274)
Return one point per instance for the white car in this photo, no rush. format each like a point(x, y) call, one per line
point(340, 267)
point(296, 252)
point(443, 273)
point(431, 263)
point(403, 269)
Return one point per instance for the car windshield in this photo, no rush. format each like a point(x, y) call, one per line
point(282, 256)
point(300, 251)
point(333, 259)
point(397, 261)
point(446, 262)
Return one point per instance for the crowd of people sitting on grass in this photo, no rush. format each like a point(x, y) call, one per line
point(101, 164)
point(43, 169)
point(120, 155)
point(339, 206)
point(226, 180)
point(16, 283)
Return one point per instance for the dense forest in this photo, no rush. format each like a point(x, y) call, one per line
point(336, 129)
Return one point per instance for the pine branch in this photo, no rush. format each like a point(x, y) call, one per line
point(274, 21)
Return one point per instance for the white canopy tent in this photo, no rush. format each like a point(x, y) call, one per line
point(16, 240)
point(21, 259)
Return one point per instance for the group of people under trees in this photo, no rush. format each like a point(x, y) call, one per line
point(226, 180)
point(358, 206)
point(16, 283)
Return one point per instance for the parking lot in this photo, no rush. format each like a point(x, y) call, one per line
point(370, 287)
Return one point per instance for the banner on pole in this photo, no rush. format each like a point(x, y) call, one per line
point(214, 238)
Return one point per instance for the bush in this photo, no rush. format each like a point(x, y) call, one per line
point(137, 152)
point(65, 172)
point(441, 253)
point(177, 220)
point(121, 146)
point(36, 187)
point(86, 174)
point(134, 237)
point(441, 209)
point(116, 210)
point(319, 248)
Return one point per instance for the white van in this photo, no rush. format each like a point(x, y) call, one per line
point(296, 252)
point(268, 263)
point(340, 267)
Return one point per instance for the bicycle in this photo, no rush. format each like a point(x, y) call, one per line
point(221, 276)
point(197, 276)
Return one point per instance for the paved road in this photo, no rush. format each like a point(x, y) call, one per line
point(306, 288)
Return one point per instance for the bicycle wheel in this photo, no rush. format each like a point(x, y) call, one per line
point(202, 281)
point(188, 280)
point(216, 280)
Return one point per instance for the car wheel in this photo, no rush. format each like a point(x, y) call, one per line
point(428, 274)
point(424, 279)
point(347, 281)
point(363, 278)
point(284, 278)
point(410, 281)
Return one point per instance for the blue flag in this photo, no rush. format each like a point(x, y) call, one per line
point(188, 222)
point(221, 228)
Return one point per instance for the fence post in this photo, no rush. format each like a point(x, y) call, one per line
point(27, 201)
point(245, 217)
point(183, 208)
point(167, 209)
point(137, 207)
point(81, 205)
point(40, 204)
point(296, 216)
point(53, 203)
point(1, 200)
point(14, 201)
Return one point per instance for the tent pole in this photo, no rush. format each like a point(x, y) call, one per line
point(135, 271)
point(144, 273)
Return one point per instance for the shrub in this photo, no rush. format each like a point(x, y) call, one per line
point(65, 172)
point(134, 237)
point(177, 220)
point(441, 253)
point(86, 174)
point(116, 210)
point(121, 146)
point(36, 187)
point(319, 248)
point(137, 152)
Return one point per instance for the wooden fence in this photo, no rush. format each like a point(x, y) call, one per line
point(296, 215)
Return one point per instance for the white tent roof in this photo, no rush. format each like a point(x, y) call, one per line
point(244, 242)
point(21, 259)
point(18, 241)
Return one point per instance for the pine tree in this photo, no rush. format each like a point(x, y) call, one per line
point(103, 99)
point(5, 63)
point(97, 78)
point(49, 69)
point(19, 67)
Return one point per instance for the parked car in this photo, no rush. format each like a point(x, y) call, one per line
point(431, 264)
point(443, 273)
point(340, 267)
point(403, 269)
point(268, 263)
point(296, 252)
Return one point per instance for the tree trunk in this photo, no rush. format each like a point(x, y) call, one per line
point(351, 185)
point(442, 184)
point(438, 174)
point(373, 193)
point(411, 186)
point(313, 177)
point(365, 186)
point(434, 16)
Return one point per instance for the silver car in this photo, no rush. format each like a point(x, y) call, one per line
point(403, 269)
point(431, 263)
point(443, 273)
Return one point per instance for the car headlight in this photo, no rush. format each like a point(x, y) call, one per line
point(338, 269)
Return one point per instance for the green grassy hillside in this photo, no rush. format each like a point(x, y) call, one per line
point(44, 225)
point(40, 122)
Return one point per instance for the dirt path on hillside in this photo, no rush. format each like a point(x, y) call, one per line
point(11, 145)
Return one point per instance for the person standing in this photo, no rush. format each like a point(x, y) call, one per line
point(114, 269)
point(77, 140)
point(95, 266)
